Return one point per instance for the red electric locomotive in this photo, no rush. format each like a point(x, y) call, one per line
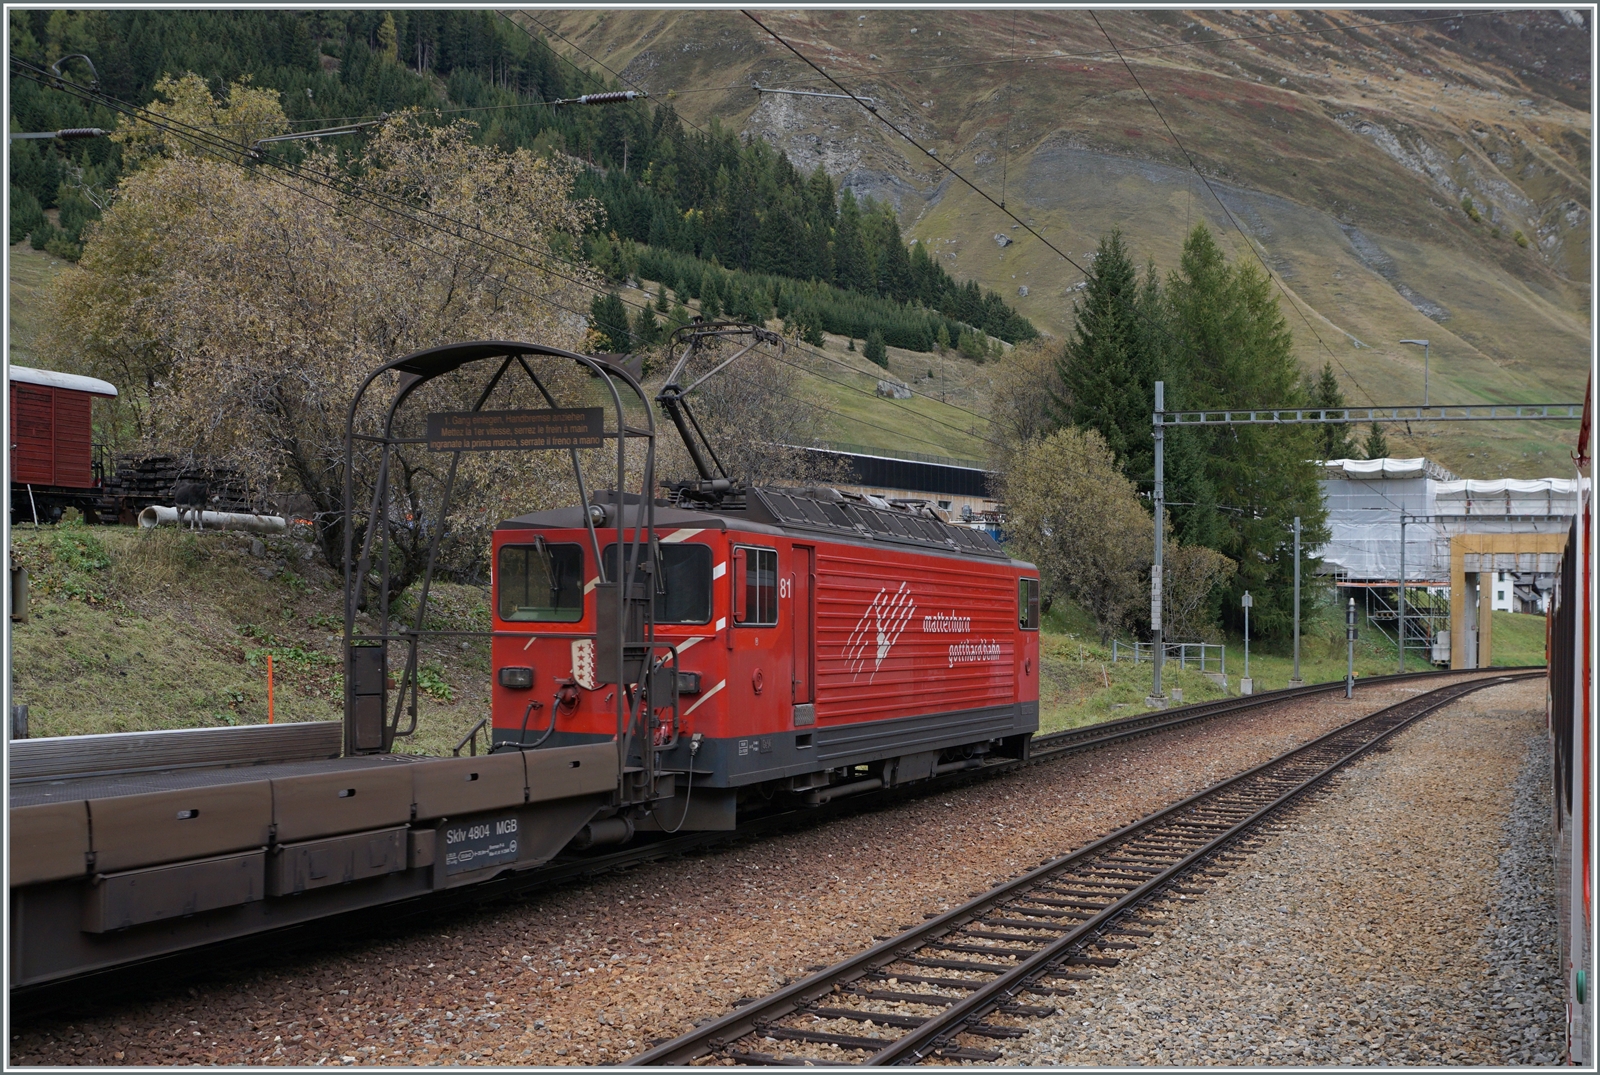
point(824, 645)
point(805, 641)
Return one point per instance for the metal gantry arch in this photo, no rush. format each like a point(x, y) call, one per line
point(372, 722)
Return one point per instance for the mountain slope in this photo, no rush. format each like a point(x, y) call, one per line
point(1342, 159)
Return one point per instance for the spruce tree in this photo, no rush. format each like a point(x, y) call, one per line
point(851, 269)
point(1376, 445)
point(1111, 361)
point(646, 330)
point(970, 344)
point(661, 299)
point(609, 318)
point(710, 296)
point(875, 351)
point(1333, 440)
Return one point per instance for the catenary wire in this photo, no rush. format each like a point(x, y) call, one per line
point(1101, 53)
point(207, 140)
point(201, 137)
point(203, 140)
point(1223, 205)
point(967, 182)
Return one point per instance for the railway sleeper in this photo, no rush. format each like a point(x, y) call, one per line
point(983, 949)
point(768, 1060)
point(911, 1022)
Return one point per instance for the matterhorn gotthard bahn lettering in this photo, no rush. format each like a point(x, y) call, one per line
point(881, 625)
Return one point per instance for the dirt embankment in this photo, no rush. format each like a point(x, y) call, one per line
point(136, 630)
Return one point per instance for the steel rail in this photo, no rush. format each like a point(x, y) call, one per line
point(1146, 858)
point(1054, 744)
point(575, 868)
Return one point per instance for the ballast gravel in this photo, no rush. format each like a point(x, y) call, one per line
point(1406, 916)
point(590, 973)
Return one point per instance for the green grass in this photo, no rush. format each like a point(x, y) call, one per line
point(142, 630)
point(1079, 683)
point(923, 423)
point(946, 417)
point(32, 272)
point(1517, 639)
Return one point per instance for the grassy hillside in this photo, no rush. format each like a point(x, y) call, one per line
point(1518, 639)
point(137, 630)
point(31, 274)
point(1081, 684)
point(1343, 160)
point(134, 630)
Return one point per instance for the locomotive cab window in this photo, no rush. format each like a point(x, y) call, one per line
point(683, 590)
point(540, 583)
point(1028, 604)
point(755, 586)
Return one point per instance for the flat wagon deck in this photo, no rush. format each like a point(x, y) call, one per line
point(132, 849)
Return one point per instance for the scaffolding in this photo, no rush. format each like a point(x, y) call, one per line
point(1426, 628)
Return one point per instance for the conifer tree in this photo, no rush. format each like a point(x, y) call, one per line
point(1376, 445)
point(710, 296)
point(609, 318)
point(851, 270)
point(875, 351)
point(661, 298)
point(1111, 361)
point(646, 329)
point(1233, 349)
point(1333, 440)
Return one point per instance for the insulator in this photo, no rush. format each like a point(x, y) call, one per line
point(611, 97)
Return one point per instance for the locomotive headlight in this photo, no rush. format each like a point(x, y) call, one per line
point(688, 682)
point(517, 679)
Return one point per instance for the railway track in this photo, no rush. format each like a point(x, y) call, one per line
point(931, 992)
point(175, 968)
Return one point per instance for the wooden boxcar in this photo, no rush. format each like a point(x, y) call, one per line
point(53, 464)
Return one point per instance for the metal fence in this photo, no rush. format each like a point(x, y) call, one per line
point(1201, 656)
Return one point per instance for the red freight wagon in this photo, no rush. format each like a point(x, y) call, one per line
point(52, 449)
point(825, 645)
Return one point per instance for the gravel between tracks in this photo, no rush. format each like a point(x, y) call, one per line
point(1406, 916)
point(589, 973)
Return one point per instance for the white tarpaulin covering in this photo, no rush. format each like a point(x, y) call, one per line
point(1365, 498)
point(1386, 468)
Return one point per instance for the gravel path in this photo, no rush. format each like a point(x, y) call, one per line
point(1405, 916)
point(591, 972)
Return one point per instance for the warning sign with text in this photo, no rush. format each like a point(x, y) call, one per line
point(489, 431)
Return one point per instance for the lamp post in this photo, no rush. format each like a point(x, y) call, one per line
point(1424, 345)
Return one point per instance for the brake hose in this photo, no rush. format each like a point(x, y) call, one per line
point(522, 735)
point(688, 791)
